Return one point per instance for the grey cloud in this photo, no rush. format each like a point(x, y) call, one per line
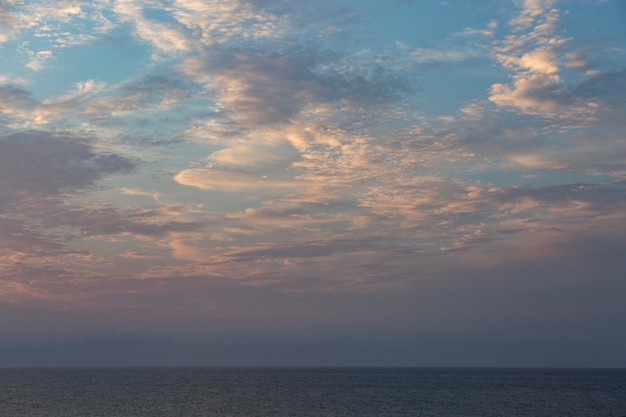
point(109, 221)
point(312, 17)
point(305, 250)
point(599, 196)
point(158, 90)
point(376, 85)
point(14, 101)
point(16, 95)
point(549, 144)
point(274, 87)
point(93, 100)
point(24, 230)
point(557, 206)
point(163, 83)
point(44, 164)
point(17, 236)
point(610, 87)
point(36, 170)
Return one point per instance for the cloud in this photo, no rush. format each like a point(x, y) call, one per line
point(302, 250)
point(425, 55)
point(578, 61)
point(231, 180)
point(247, 156)
point(537, 141)
point(258, 88)
point(37, 59)
point(38, 163)
point(281, 114)
point(218, 22)
point(607, 88)
point(536, 120)
point(537, 55)
point(12, 21)
point(104, 220)
point(15, 104)
point(52, 110)
point(530, 12)
point(36, 170)
point(46, 27)
point(181, 26)
point(542, 95)
point(18, 239)
point(533, 53)
point(153, 92)
point(165, 37)
point(93, 101)
point(426, 221)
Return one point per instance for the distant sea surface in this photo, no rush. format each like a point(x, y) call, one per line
point(261, 392)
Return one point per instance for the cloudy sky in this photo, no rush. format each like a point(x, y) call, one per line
point(328, 182)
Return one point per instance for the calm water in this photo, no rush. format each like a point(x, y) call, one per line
point(311, 392)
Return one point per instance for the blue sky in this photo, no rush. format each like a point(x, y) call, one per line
point(329, 182)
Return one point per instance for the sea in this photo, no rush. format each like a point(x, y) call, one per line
point(301, 392)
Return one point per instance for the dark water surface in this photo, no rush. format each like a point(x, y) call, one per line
point(131, 392)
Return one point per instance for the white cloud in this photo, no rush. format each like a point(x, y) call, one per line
point(231, 180)
point(12, 21)
point(533, 54)
point(248, 156)
point(531, 11)
point(37, 59)
point(425, 55)
point(534, 161)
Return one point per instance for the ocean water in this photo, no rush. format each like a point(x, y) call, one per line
point(446, 392)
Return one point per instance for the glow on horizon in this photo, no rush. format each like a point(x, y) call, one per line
point(328, 173)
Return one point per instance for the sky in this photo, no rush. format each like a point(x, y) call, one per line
point(275, 182)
